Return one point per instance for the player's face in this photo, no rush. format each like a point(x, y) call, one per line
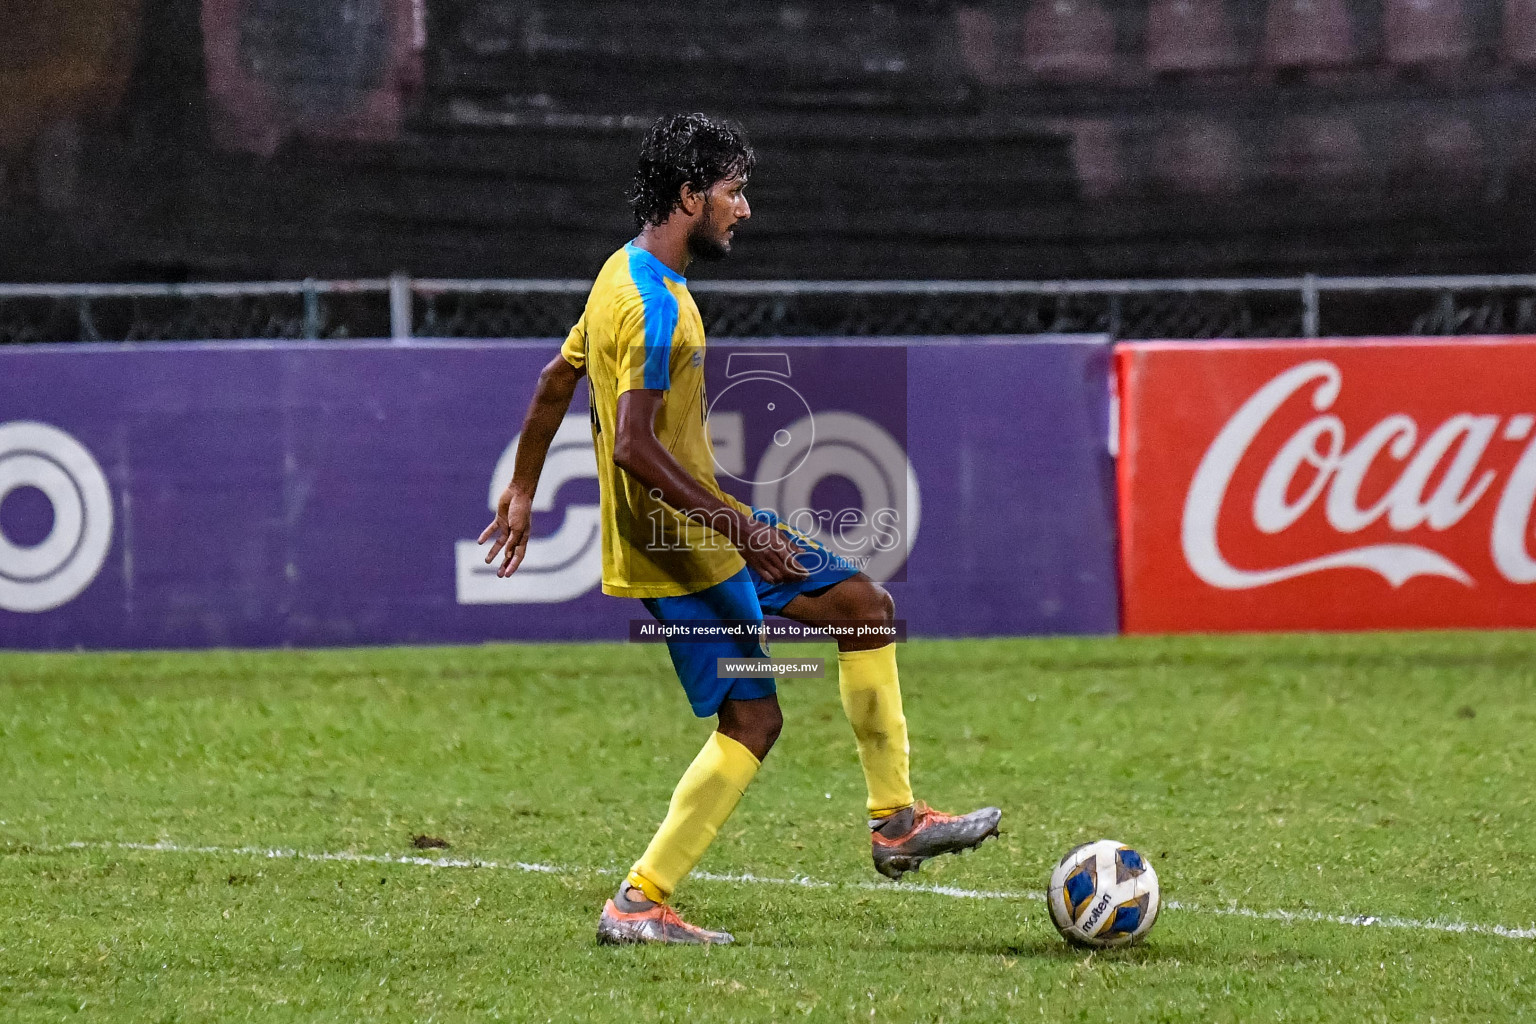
point(725, 204)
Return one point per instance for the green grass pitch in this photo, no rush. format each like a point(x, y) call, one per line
point(1385, 775)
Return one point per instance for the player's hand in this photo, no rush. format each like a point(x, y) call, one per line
point(770, 551)
point(508, 532)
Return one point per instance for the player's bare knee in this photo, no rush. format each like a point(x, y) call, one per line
point(770, 734)
point(874, 605)
point(771, 724)
point(760, 737)
point(887, 605)
point(755, 726)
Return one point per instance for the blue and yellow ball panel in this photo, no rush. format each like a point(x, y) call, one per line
point(1080, 886)
point(1128, 916)
point(1128, 864)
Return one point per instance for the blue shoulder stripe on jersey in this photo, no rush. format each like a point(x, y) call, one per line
point(660, 311)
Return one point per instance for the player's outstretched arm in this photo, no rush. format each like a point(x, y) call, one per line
point(508, 532)
point(637, 451)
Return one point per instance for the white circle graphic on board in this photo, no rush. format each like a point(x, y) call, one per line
point(52, 572)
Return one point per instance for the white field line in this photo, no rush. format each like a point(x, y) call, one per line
point(347, 857)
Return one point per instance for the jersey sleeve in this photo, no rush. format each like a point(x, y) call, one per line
point(645, 329)
point(575, 348)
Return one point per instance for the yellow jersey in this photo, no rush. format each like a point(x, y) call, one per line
point(641, 329)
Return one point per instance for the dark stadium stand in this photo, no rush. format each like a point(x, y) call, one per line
point(1188, 37)
point(1302, 35)
point(1056, 138)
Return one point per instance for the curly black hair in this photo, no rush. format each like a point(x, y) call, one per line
point(685, 149)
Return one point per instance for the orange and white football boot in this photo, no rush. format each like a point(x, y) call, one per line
point(627, 922)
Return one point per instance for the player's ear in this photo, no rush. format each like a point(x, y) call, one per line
point(693, 200)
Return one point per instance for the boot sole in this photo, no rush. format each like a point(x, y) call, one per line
point(612, 937)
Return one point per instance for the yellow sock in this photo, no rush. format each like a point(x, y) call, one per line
point(872, 701)
point(705, 796)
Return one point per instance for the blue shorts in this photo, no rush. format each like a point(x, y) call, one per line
point(745, 597)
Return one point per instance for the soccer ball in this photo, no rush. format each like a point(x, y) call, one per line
point(1103, 894)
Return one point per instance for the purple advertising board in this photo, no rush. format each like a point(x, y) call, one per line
point(330, 493)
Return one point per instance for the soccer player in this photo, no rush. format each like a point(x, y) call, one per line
point(688, 550)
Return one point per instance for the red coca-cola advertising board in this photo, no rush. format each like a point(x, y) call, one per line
point(1367, 484)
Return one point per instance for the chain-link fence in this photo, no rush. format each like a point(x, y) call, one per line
point(1132, 314)
point(401, 308)
point(212, 312)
